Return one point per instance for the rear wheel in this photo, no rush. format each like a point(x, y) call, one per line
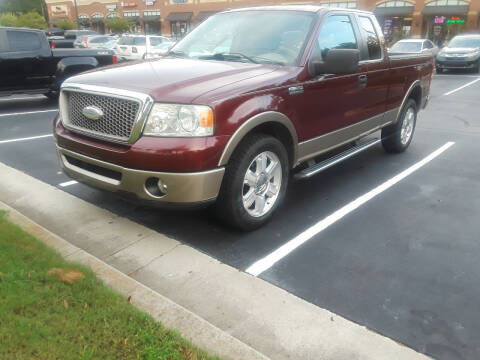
point(255, 182)
point(397, 137)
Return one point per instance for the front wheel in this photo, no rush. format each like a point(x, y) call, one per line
point(255, 182)
point(397, 137)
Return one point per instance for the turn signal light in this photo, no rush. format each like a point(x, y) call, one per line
point(114, 59)
point(134, 49)
point(206, 118)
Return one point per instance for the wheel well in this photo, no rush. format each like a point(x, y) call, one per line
point(416, 95)
point(280, 132)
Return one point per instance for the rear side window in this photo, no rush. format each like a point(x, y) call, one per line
point(100, 39)
point(337, 33)
point(428, 45)
point(155, 41)
point(23, 41)
point(140, 41)
point(370, 35)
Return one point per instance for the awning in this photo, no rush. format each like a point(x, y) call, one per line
point(151, 18)
point(132, 18)
point(446, 10)
point(179, 16)
point(394, 11)
point(203, 15)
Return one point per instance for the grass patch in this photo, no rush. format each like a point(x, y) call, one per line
point(53, 309)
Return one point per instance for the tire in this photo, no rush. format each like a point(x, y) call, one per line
point(238, 189)
point(476, 69)
point(397, 137)
point(53, 96)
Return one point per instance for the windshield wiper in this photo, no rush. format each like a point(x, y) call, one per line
point(228, 56)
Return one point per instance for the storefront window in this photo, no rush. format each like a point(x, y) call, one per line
point(395, 18)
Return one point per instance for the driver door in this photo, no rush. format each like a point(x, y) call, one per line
point(330, 101)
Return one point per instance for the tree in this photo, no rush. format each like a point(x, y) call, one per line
point(66, 24)
point(118, 25)
point(8, 20)
point(32, 20)
point(21, 6)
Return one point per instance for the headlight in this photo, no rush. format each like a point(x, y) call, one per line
point(171, 120)
point(473, 55)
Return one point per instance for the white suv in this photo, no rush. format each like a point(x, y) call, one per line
point(134, 47)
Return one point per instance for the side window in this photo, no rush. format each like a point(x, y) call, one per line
point(23, 41)
point(373, 42)
point(428, 45)
point(336, 33)
point(154, 41)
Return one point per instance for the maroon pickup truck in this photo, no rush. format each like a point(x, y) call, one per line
point(244, 101)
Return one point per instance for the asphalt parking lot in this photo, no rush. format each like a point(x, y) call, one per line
point(403, 263)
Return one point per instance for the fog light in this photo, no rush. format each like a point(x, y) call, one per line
point(155, 187)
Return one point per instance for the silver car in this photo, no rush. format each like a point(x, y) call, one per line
point(419, 46)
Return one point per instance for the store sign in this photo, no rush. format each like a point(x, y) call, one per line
point(111, 7)
point(128, 4)
point(179, 1)
point(439, 19)
point(59, 9)
point(455, 20)
point(149, 2)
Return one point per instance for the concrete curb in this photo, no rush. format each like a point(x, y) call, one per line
point(172, 315)
point(215, 296)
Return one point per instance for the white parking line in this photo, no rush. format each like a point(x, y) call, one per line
point(268, 261)
point(68, 183)
point(461, 87)
point(24, 139)
point(29, 112)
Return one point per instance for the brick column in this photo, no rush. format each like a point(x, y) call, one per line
point(472, 20)
point(417, 24)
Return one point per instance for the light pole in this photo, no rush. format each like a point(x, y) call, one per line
point(76, 14)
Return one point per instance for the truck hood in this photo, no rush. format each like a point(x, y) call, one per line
point(173, 79)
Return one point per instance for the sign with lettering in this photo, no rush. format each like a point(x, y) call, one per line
point(455, 20)
point(111, 7)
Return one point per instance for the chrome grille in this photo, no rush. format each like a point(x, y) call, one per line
point(117, 122)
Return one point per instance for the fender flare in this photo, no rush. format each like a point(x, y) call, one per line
point(73, 65)
point(407, 95)
point(253, 122)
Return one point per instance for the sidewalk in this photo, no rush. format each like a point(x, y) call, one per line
point(221, 309)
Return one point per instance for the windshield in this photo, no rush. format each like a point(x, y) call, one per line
point(465, 42)
point(244, 36)
point(407, 47)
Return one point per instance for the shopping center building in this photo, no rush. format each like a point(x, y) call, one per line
point(438, 20)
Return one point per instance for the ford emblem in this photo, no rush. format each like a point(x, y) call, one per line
point(92, 112)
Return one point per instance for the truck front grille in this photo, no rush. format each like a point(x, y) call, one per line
point(119, 115)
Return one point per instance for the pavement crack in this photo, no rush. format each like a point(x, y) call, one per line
point(131, 274)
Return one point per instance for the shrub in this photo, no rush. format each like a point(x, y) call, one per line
point(119, 24)
point(32, 20)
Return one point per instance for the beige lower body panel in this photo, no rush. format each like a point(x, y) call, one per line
point(195, 187)
point(313, 147)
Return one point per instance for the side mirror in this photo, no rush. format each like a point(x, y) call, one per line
point(337, 61)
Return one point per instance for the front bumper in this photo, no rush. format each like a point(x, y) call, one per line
point(176, 188)
point(456, 64)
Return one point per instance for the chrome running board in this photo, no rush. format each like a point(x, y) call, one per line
point(325, 164)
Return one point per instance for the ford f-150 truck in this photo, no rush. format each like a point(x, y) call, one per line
point(29, 65)
point(248, 98)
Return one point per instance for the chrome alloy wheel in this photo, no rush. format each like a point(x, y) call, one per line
point(261, 184)
point(407, 126)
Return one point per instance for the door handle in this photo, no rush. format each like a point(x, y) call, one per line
point(362, 81)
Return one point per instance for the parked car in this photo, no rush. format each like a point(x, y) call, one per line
point(54, 32)
point(230, 127)
point(134, 47)
point(417, 46)
point(78, 36)
point(29, 65)
point(159, 50)
point(462, 52)
point(70, 36)
point(93, 41)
